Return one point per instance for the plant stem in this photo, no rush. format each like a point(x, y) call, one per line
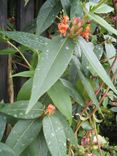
point(12, 45)
point(100, 151)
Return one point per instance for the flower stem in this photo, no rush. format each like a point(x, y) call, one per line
point(12, 45)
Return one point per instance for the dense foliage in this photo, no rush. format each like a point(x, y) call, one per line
point(67, 105)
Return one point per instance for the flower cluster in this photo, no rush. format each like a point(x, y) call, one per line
point(74, 27)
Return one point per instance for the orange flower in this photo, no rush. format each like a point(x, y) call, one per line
point(63, 28)
point(50, 109)
point(87, 32)
point(65, 20)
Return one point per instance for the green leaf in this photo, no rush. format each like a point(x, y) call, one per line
point(51, 66)
point(29, 40)
point(61, 99)
point(111, 54)
point(67, 129)
point(18, 109)
point(26, 2)
point(114, 109)
point(25, 91)
point(6, 150)
point(98, 49)
point(47, 15)
point(103, 9)
point(86, 126)
point(2, 125)
point(86, 83)
point(22, 134)
point(72, 91)
point(102, 22)
point(66, 5)
point(37, 148)
point(54, 135)
point(94, 62)
point(7, 51)
point(76, 9)
point(24, 74)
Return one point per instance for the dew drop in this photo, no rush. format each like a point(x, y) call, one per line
point(52, 134)
point(21, 114)
point(15, 115)
point(67, 48)
point(46, 43)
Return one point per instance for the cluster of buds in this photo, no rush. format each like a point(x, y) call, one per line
point(90, 141)
point(74, 27)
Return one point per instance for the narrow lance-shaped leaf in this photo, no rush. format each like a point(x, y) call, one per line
point(6, 150)
point(86, 83)
point(29, 40)
point(18, 109)
point(76, 9)
point(103, 9)
point(2, 125)
point(23, 134)
point(25, 91)
point(102, 22)
point(37, 148)
point(47, 15)
point(54, 135)
point(72, 91)
point(61, 99)
point(94, 62)
point(24, 74)
point(66, 5)
point(111, 54)
point(69, 133)
point(51, 66)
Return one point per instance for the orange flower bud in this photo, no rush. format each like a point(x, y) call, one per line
point(65, 19)
point(76, 20)
point(50, 109)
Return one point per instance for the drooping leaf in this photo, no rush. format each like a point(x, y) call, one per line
point(94, 62)
point(51, 66)
point(72, 91)
point(102, 22)
point(18, 109)
point(86, 83)
point(76, 9)
point(6, 150)
point(47, 15)
point(23, 134)
point(25, 91)
point(61, 99)
point(54, 135)
point(29, 40)
point(24, 74)
point(66, 5)
point(2, 125)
